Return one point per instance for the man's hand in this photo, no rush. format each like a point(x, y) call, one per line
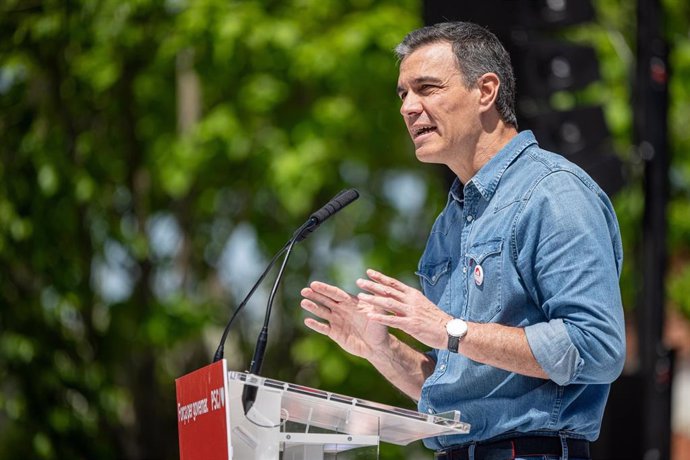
point(347, 320)
point(405, 308)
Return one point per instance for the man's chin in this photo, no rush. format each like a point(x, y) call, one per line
point(426, 155)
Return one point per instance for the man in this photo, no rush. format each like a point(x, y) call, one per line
point(521, 304)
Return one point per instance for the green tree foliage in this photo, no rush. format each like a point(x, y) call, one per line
point(154, 156)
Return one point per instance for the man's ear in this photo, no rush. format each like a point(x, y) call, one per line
point(488, 85)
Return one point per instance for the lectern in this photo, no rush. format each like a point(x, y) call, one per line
point(289, 421)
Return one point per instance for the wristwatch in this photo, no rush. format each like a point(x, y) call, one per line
point(456, 329)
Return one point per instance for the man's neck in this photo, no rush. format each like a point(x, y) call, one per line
point(487, 146)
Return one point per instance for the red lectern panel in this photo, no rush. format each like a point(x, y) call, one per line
point(202, 414)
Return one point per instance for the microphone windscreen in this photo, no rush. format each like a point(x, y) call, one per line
point(337, 203)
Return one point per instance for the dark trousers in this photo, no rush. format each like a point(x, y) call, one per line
point(529, 447)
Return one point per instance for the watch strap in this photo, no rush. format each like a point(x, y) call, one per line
point(453, 343)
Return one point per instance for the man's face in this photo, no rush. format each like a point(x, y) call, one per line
point(441, 114)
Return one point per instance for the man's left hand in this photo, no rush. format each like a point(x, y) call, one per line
point(407, 309)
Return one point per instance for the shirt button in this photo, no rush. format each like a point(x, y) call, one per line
point(442, 367)
point(469, 218)
point(464, 269)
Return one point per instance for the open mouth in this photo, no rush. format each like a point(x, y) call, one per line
point(417, 132)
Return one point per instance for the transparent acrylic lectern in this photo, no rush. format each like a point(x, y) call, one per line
point(293, 422)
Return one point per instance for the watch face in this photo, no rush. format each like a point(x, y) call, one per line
point(456, 327)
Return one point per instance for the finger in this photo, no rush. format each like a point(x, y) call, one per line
point(321, 328)
point(386, 303)
point(387, 280)
point(315, 309)
point(327, 290)
point(379, 289)
point(319, 299)
point(387, 320)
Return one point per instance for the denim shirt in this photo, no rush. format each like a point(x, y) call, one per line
point(530, 241)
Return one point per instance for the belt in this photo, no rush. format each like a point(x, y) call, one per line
point(517, 447)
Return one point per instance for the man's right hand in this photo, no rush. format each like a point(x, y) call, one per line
point(347, 323)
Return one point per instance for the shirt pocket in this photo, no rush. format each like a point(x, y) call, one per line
point(434, 278)
point(485, 263)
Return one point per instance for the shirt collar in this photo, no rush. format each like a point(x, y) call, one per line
point(456, 192)
point(487, 178)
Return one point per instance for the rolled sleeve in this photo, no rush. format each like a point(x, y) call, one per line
point(554, 351)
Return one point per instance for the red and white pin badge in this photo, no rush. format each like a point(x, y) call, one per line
point(478, 275)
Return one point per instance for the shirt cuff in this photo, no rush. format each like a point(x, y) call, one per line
point(554, 351)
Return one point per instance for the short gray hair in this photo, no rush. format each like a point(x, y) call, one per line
point(477, 51)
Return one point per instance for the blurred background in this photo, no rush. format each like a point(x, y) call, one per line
point(156, 154)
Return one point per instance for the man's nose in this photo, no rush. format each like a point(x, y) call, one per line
point(411, 105)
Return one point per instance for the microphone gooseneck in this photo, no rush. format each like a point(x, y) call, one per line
point(249, 391)
point(221, 346)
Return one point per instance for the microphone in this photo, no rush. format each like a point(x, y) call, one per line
point(337, 203)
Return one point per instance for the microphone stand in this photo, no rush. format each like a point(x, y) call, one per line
point(338, 202)
point(221, 346)
point(249, 392)
point(302, 232)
